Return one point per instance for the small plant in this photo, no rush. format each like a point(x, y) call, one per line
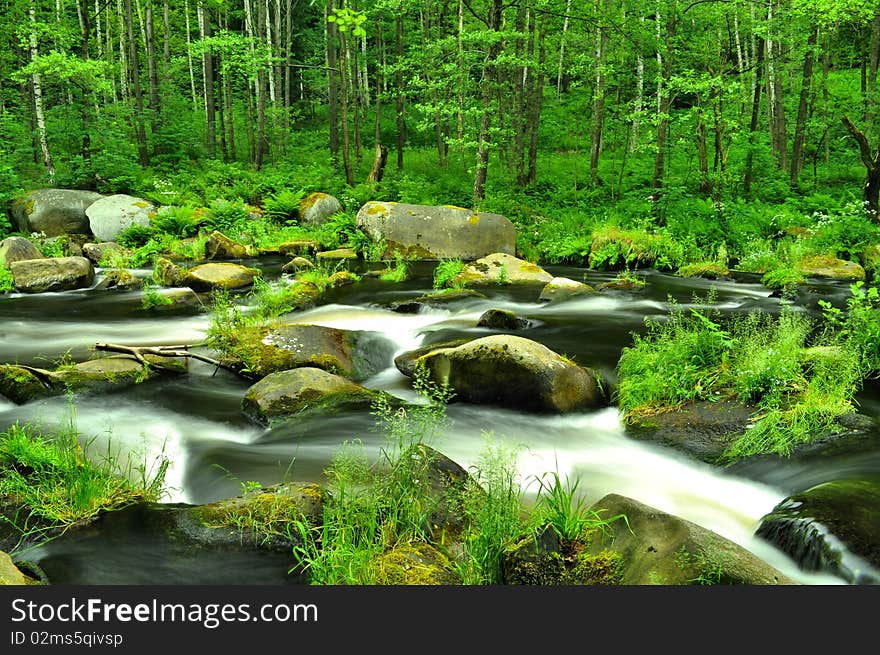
point(7, 282)
point(283, 207)
point(398, 272)
point(446, 275)
point(135, 236)
point(176, 221)
point(785, 280)
point(154, 298)
point(227, 217)
point(503, 277)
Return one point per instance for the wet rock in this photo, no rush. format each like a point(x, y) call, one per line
point(436, 232)
point(406, 361)
point(560, 288)
point(168, 274)
point(416, 563)
point(17, 249)
point(54, 211)
point(52, 274)
point(500, 268)
point(303, 390)
point(709, 270)
point(317, 208)
point(220, 246)
point(110, 215)
point(120, 280)
point(96, 252)
point(336, 255)
point(209, 277)
point(830, 267)
point(297, 264)
point(10, 573)
point(657, 548)
point(511, 371)
point(501, 319)
point(438, 299)
point(831, 527)
point(302, 248)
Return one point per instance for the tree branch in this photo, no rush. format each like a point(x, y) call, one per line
point(864, 148)
point(138, 353)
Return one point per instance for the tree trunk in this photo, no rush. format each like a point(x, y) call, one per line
point(189, 59)
point(331, 32)
point(597, 115)
point(86, 143)
point(664, 101)
point(797, 149)
point(756, 108)
point(873, 62)
point(562, 49)
point(37, 85)
point(343, 83)
point(152, 69)
point(398, 96)
point(871, 161)
point(208, 81)
point(487, 82)
point(134, 77)
point(262, 146)
point(536, 95)
point(705, 183)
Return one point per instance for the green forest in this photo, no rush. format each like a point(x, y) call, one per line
point(614, 157)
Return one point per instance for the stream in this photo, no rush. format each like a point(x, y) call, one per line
point(195, 420)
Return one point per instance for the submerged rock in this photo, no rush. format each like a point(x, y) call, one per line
point(297, 264)
point(54, 211)
point(832, 527)
point(168, 274)
point(432, 232)
point(17, 249)
point(52, 274)
point(287, 393)
point(511, 371)
point(96, 252)
point(10, 573)
point(436, 300)
point(501, 268)
point(501, 319)
point(338, 254)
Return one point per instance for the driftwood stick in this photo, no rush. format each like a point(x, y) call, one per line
point(41, 374)
point(138, 353)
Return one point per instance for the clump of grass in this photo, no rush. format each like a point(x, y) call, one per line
point(56, 485)
point(446, 274)
point(397, 271)
point(785, 279)
point(7, 282)
point(614, 248)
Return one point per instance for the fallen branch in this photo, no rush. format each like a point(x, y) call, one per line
point(138, 352)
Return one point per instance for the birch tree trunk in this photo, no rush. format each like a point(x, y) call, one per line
point(37, 85)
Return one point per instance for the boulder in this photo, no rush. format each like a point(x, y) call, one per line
point(120, 280)
point(661, 549)
point(220, 246)
point(17, 249)
point(501, 319)
point(297, 264)
point(515, 372)
point(52, 274)
point(824, 266)
point(436, 300)
point(54, 211)
point(302, 247)
point(96, 252)
point(431, 232)
point(406, 361)
point(501, 268)
point(168, 274)
point(10, 573)
point(338, 254)
point(110, 215)
point(317, 208)
point(208, 277)
point(831, 527)
point(300, 390)
point(560, 288)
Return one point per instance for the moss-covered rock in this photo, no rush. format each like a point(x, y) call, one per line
point(120, 280)
point(502, 319)
point(436, 300)
point(406, 361)
point(110, 215)
point(832, 527)
point(168, 274)
point(710, 270)
point(54, 211)
point(560, 288)
point(661, 549)
point(501, 268)
point(340, 254)
point(416, 563)
point(297, 264)
point(303, 390)
point(21, 385)
point(436, 232)
point(512, 371)
point(52, 274)
point(317, 208)
point(214, 276)
point(10, 573)
point(17, 249)
point(220, 246)
point(825, 266)
point(302, 247)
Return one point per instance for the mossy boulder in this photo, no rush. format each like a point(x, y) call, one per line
point(560, 288)
point(17, 249)
point(303, 247)
point(10, 573)
point(110, 215)
point(259, 518)
point(825, 266)
point(657, 548)
point(502, 319)
point(215, 276)
point(303, 390)
point(52, 274)
point(354, 354)
point(406, 361)
point(317, 208)
point(628, 284)
point(435, 300)
point(168, 274)
point(501, 268)
point(337, 255)
point(832, 527)
point(119, 279)
point(512, 371)
point(296, 265)
point(21, 385)
point(96, 252)
point(220, 246)
point(547, 559)
point(436, 232)
point(710, 270)
point(54, 211)
point(414, 563)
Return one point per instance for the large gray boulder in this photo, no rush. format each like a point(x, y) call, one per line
point(17, 249)
point(305, 389)
point(444, 232)
point(317, 208)
point(661, 549)
point(515, 372)
point(52, 274)
point(54, 211)
point(111, 215)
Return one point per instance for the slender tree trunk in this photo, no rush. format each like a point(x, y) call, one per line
point(399, 90)
point(189, 59)
point(166, 40)
point(597, 116)
point(208, 81)
point(756, 108)
point(487, 83)
point(37, 86)
point(134, 76)
point(86, 143)
point(262, 146)
point(346, 137)
point(705, 183)
point(520, 80)
point(664, 100)
point(560, 68)
point(797, 149)
point(535, 105)
point(152, 69)
point(871, 161)
point(331, 33)
point(871, 78)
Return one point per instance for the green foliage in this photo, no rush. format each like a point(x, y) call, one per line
point(560, 506)
point(153, 297)
point(283, 206)
point(396, 272)
point(227, 217)
point(7, 282)
point(446, 272)
point(177, 221)
point(135, 236)
point(614, 248)
point(857, 329)
point(783, 279)
point(48, 247)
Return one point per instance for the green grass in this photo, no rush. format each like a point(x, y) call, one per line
point(58, 483)
point(7, 282)
point(446, 273)
point(154, 298)
point(398, 271)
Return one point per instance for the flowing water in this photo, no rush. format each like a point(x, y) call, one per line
point(195, 420)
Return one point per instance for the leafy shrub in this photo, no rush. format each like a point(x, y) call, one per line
point(283, 206)
point(446, 273)
point(135, 236)
point(784, 279)
point(7, 283)
point(614, 248)
point(177, 221)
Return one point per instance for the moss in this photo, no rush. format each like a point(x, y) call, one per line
point(704, 569)
point(414, 564)
point(377, 208)
point(310, 200)
point(474, 220)
point(712, 270)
